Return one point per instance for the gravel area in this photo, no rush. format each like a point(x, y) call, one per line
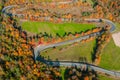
point(116, 38)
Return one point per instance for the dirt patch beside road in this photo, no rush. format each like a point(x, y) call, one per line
point(116, 38)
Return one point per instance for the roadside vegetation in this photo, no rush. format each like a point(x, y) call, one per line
point(83, 73)
point(101, 42)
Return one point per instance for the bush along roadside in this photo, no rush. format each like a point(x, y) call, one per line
point(101, 42)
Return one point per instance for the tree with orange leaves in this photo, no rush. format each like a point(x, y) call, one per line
point(86, 78)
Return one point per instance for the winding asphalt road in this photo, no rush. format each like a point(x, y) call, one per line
point(42, 47)
point(63, 63)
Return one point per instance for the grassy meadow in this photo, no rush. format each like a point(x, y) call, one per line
point(71, 53)
point(53, 28)
point(110, 58)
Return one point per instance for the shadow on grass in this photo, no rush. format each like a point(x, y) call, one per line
point(94, 51)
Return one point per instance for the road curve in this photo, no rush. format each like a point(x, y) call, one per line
point(43, 47)
point(55, 63)
point(96, 68)
point(112, 25)
point(40, 48)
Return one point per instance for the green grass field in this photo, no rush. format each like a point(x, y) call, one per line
point(0, 6)
point(90, 1)
point(52, 28)
point(117, 27)
point(71, 53)
point(110, 58)
point(101, 77)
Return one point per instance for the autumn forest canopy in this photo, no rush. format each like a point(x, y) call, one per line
point(34, 23)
